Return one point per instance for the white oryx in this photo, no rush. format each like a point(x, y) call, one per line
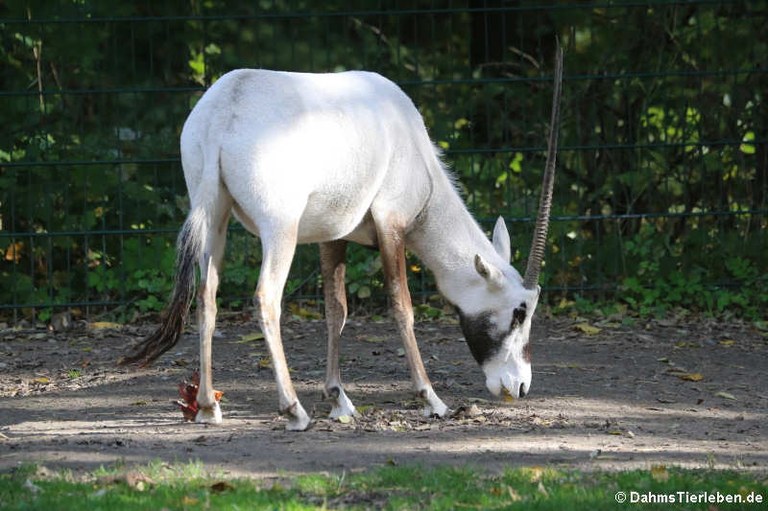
point(332, 158)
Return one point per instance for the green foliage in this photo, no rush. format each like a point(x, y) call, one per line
point(664, 137)
point(364, 276)
point(660, 277)
point(190, 487)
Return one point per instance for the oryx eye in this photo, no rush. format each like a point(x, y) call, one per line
point(519, 315)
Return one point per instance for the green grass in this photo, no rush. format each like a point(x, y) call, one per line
point(191, 487)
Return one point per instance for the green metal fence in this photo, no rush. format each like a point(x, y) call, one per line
point(662, 184)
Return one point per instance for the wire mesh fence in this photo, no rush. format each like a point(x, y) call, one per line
point(662, 175)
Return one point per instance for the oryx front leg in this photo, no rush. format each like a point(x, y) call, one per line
point(278, 248)
point(392, 247)
point(332, 265)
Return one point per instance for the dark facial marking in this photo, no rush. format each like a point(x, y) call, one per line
point(476, 331)
point(519, 315)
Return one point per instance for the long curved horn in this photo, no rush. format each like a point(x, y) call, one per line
point(536, 255)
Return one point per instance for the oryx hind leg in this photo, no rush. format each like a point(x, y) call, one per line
point(278, 246)
point(210, 269)
point(332, 265)
point(392, 247)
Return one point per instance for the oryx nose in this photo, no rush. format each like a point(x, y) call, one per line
point(522, 390)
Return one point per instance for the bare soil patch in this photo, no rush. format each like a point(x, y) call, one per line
point(604, 396)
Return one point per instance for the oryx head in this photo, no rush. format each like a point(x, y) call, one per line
point(497, 330)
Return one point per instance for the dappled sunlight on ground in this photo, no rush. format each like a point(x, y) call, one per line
point(613, 399)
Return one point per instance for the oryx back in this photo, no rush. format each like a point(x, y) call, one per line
point(322, 149)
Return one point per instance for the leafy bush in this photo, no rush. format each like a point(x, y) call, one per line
point(661, 190)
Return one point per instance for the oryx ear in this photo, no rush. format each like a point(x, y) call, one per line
point(501, 240)
point(489, 272)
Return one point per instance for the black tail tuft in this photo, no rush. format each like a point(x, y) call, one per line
point(175, 316)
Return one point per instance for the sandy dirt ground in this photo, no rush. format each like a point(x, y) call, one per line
point(605, 395)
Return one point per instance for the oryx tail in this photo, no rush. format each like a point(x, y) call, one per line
point(188, 252)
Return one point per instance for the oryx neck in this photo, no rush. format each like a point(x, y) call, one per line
point(447, 238)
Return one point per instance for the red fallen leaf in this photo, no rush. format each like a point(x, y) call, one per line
point(188, 393)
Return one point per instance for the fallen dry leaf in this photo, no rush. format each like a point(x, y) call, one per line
point(466, 412)
point(505, 491)
point(102, 325)
point(344, 419)
point(188, 392)
point(372, 338)
point(535, 473)
point(135, 480)
point(588, 329)
point(726, 395)
point(302, 312)
point(246, 338)
point(13, 253)
point(690, 376)
point(659, 473)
